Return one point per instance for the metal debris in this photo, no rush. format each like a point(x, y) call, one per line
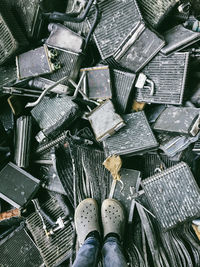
point(99, 99)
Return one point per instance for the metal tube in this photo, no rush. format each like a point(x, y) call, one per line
point(23, 141)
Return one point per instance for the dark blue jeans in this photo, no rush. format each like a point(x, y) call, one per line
point(112, 253)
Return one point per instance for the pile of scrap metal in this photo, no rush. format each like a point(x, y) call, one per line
point(84, 83)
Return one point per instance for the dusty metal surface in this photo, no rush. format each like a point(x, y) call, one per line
point(12, 38)
point(138, 48)
point(57, 248)
point(105, 121)
point(95, 71)
point(117, 20)
point(178, 38)
point(55, 113)
point(177, 120)
point(61, 37)
point(19, 250)
point(98, 81)
point(169, 83)
point(29, 12)
point(154, 12)
point(122, 88)
point(34, 63)
point(22, 183)
point(173, 195)
point(70, 63)
point(136, 136)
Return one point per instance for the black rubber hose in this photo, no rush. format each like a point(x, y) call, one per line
point(97, 16)
point(57, 16)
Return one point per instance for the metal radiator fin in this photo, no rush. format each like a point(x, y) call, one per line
point(65, 171)
point(7, 74)
point(168, 80)
point(81, 27)
point(91, 177)
point(18, 250)
point(126, 187)
point(21, 187)
point(69, 62)
point(135, 137)
point(117, 20)
point(173, 195)
point(54, 114)
point(6, 38)
point(155, 11)
point(196, 148)
point(50, 117)
point(57, 248)
point(29, 12)
point(154, 163)
point(11, 36)
point(139, 48)
point(122, 85)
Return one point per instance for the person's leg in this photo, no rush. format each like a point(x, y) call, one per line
point(88, 254)
point(113, 220)
point(112, 253)
point(88, 233)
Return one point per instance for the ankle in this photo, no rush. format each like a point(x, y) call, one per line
point(112, 235)
point(94, 234)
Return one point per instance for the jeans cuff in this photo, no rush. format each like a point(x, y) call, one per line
point(92, 240)
point(112, 239)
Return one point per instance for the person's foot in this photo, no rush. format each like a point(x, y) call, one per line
point(86, 219)
point(113, 218)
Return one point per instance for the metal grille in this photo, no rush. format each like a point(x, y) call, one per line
point(173, 195)
point(7, 41)
point(65, 171)
point(168, 80)
point(69, 66)
point(117, 20)
point(18, 250)
point(197, 147)
point(54, 113)
point(176, 144)
point(139, 48)
point(57, 248)
point(136, 136)
point(126, 187)
point(154, 163)
point(122, 84)
point(7, 74)
point(155, 11)
point(11, 36)
point(81, 27)
point(21, 187)
point(6, 115)
point(28, 11)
